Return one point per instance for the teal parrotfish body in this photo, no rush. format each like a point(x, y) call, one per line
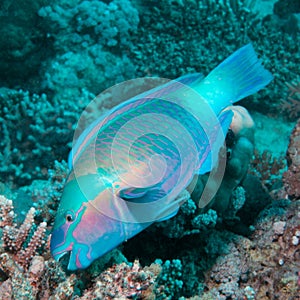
point(130, 165)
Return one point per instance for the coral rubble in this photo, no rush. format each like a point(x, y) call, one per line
point(124, 282)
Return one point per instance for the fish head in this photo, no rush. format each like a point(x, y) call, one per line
point(80, 228)
point(98, 212)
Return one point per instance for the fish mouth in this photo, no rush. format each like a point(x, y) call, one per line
point(65, 258)
point(57, 256)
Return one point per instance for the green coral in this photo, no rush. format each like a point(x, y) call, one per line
point(23, 44)
point(170, 280)
point(36, 132)
point(205, 220)
point(91, 40)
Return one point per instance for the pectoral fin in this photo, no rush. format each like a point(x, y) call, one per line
point(142, 195)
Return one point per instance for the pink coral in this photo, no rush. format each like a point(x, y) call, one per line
point(28, 275)
point(14, 238)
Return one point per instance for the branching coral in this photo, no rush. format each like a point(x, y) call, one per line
point(268, 169)
point(170, 281)
point(92, 22)
point(291, 178)
point(92, 41)
point(14, 238)
point(292, 105)
point(43, 280)
point(20, 263)
point(36, 131)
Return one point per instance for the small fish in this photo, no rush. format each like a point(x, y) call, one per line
point(129, 168)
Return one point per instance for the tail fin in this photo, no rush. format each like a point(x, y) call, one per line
point(237, 77)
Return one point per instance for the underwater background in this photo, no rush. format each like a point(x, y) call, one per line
point(56, 56)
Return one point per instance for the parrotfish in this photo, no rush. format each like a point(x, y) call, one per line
point(130, 166)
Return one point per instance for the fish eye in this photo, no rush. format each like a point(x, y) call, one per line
point(70, 216)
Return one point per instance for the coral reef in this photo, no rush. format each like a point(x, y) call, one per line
point(291, 178)
point(23, 43)
point(36, 132)
point(92, 40)
point(292, 105)
point(267, 265)
point(44, 195)
point(194, 35)
point(14, 238)
point(277, 249)
point(285, 8)
point(244, 246)
point(29, 275)
point(268, 169)
point(182, 41)
point(187, 222)
point(224, 277)
point(170, 281)
point(43, 280)
point(95, 44)
point(124, 282)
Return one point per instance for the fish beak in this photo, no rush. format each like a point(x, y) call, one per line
point(67, 258)
point(59, 255)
